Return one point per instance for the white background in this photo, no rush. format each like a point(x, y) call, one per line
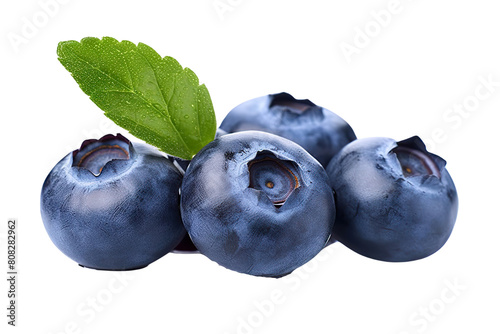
point(405, 75)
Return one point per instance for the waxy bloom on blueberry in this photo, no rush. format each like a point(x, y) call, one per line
point(318, 130)
point(257, 203)
point(113, 205)
point(395, 201)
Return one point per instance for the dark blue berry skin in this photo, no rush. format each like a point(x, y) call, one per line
point(119, 214)
point(320, 131)
point(186, 246)
point(257, 203)
point(395, 201)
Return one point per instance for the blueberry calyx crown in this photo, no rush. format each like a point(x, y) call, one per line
point(275, 177)
point(415, 160)
point(291, 108)
point(287, 100)
point(94, 154)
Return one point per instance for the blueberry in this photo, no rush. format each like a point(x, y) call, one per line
point(395, 200)
point(320, 131)
point(257, 203)
point(113, 205)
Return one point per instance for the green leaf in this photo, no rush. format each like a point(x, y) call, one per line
point(154, 98)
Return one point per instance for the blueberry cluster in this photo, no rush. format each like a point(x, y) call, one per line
point(283, 179)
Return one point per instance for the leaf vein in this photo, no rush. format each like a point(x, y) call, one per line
point(165, 101)
point(102, 72)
